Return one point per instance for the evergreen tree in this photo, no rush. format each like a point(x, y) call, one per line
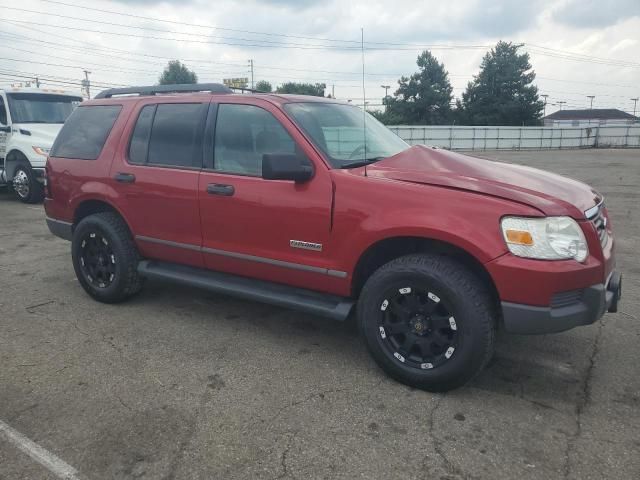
point(502, 93)
point(315, 89)
point(176, 72)
point(264, 86)
point(425, 97)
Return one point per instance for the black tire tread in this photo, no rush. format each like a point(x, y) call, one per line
point(465, 280)
point(131, 281)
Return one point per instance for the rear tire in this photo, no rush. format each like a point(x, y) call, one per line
point(25, 185)
point(428, 321)
point(105, 258)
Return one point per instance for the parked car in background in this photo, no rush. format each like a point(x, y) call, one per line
point(30, 119)
point(312, 204)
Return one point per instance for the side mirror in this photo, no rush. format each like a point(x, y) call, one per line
point(5, 129)
point(286, 166)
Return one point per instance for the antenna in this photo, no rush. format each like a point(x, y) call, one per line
point(364, 102)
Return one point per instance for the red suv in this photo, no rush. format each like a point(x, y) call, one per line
point(310, 203)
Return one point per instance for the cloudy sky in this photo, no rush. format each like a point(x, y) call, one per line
point(577, 47)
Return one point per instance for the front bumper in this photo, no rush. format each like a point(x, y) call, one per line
point(594, 301)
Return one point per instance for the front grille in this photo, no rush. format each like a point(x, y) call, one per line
point(564, 299)
point(599, 221)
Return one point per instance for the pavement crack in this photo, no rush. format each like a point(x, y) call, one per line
point(583, 400)
point(450, 468)
point(122, 402)
point(30, 308)
point(283, 457)
point(304, 400)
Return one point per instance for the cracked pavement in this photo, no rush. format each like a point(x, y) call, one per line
point(180, 383)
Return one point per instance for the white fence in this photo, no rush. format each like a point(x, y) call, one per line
point(520, 138)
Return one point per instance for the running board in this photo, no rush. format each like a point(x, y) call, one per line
point(325, 305)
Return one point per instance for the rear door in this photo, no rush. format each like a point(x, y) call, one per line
point(271, 229)
point(156, 176)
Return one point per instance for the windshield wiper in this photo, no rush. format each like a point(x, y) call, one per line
point(361, 163)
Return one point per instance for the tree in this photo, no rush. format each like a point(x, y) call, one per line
point(425, 97)
point(264, 86)
point(315, 89)
point(502, 93)
point(176, 72)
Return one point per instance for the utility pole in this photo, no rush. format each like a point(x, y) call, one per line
point(386, 89)
point(251, 67)
point(560, 103)
point(333, 91)
point(544, 111)
point(86, 83)
point(37, 82)
point(591, 97)
point(635, 101)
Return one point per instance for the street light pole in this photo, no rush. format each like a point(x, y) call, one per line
point(386, 89)
point(544, 111)
point(591, 97)
point(561, 102)
point(635, 101)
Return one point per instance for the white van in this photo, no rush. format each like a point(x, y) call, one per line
point(30, 119)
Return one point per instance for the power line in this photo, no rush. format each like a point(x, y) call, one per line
point(268, 67)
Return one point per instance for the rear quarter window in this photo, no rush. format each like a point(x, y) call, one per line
point(85, 132)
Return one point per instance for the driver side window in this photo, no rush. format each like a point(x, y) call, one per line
point(243, 134)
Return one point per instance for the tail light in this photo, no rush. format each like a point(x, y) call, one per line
point(47, 187)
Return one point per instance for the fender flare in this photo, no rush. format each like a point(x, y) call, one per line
point(11, 161)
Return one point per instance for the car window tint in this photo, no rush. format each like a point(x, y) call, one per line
point(243, 134)
point(176, 135)
point(85, 132)
point(140, 136)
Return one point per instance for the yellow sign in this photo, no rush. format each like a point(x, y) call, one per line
point(236, 82)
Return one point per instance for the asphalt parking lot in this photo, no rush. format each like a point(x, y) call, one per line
point(181, 384)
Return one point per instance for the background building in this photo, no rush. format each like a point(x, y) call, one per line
point(596, 116)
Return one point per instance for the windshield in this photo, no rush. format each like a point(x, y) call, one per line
point(40, 108)
point(338, 131)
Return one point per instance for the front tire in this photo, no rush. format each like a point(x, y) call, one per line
point(105, 258)
point(25, 185)
point(428, 321)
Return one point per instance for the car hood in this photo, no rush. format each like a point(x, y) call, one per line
point(42, 134)
point(550, 193)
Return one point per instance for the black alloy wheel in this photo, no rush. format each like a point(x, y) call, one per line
point(97, 260)
point(417, 328)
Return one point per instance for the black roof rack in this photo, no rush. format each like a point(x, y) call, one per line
point(160, 89)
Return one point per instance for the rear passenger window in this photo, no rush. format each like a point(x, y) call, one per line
point(85, 132)
point(176, 135)
point(140, 138)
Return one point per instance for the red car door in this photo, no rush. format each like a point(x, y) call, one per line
point(156, 176)
point(268, 229)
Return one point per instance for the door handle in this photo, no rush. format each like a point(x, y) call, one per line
point(124, 177)
point(220, 189)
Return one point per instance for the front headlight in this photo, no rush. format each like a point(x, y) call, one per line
point(549, 238)
point(44, 151)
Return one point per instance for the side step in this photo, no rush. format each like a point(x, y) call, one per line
point(325, 305)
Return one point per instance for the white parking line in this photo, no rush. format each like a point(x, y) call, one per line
point(43, 457)
point(36, 208)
